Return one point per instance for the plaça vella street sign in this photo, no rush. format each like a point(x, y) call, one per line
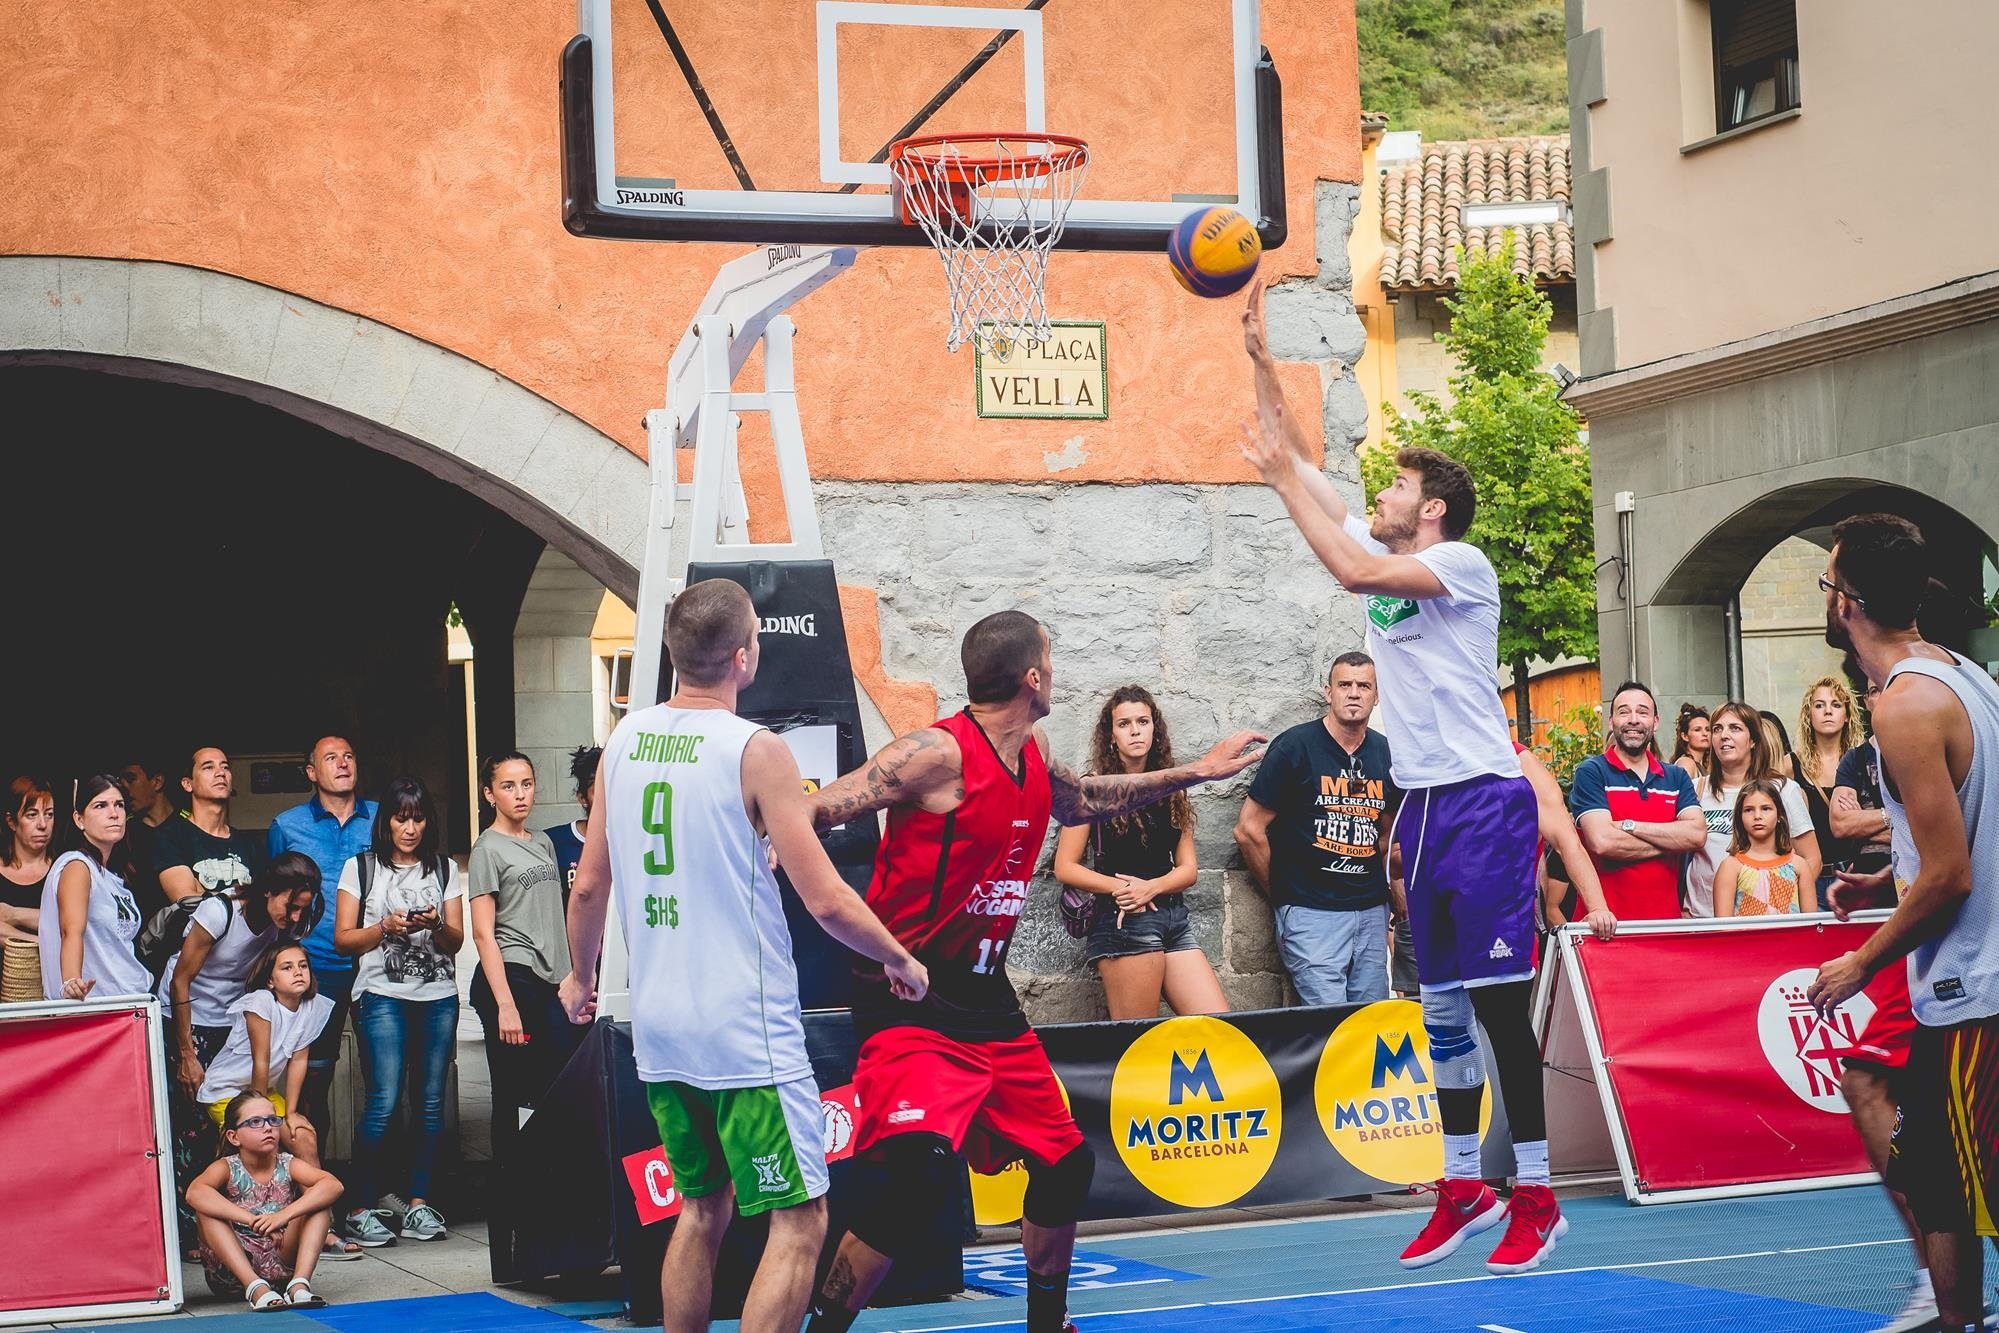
point(1063, 378)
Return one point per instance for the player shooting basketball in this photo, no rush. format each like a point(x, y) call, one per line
point(1467, 828)
point(969, 800)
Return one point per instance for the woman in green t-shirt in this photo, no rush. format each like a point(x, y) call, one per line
point(518, 930)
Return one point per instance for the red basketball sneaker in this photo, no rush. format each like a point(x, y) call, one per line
point(1464, 1208)
point(1537, 1223)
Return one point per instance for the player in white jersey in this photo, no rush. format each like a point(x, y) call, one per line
point(1937, 724)
point(685, 797)
point(1468, 828)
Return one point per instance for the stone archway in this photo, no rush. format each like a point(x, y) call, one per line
point(580, 491)
point(1683, 630)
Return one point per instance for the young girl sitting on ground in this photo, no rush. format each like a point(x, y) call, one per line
point(262, 1212)
point(1761, 875)
point(271, 1025)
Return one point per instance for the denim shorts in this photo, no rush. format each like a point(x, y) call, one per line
point(1165, 929)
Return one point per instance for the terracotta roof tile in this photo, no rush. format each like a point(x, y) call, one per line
point(1422, 207)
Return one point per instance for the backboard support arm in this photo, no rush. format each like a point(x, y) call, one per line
point(744, 306)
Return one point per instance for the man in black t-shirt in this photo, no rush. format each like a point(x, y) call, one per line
point(1314, 837)
point(1859, 824)
point(150, 808)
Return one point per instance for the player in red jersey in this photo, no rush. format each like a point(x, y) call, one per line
point(968, 803)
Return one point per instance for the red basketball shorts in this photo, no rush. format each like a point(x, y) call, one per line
point(996, 1101)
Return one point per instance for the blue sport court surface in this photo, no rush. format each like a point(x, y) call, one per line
point(1832, 1261)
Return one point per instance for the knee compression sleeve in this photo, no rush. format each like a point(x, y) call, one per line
point(1055, 1193)
point(920, 1171)
point(1447, 1020)
point(1503, 1011)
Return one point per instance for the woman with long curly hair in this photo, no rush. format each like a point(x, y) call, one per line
point(1828, 726)
point(1141, 865)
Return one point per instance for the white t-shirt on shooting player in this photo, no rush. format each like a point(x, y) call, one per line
point(1437, 666)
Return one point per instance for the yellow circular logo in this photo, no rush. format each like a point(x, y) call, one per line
point(999, 1198)
point(1196, 1112)
point(1377, 1095)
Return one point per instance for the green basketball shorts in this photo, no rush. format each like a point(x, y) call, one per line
point(770, 1142)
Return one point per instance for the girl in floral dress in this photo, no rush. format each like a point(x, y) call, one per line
point(1762, 875)
point(263, 1213)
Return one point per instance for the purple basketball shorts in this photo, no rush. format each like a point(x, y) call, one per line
point(1468, 858)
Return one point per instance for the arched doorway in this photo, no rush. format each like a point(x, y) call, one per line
point(230, 468)
point(1749, 586)
point(191, 567)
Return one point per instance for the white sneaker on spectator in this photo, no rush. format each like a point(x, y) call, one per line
point(423, 1222)
point(364, 1227)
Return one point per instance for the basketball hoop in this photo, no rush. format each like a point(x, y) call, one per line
point(993, 205)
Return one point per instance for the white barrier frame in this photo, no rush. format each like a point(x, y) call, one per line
point(1567, 943)
point(156, 1052)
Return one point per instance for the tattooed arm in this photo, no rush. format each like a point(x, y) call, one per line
point(924, 768)
point(1080, 800)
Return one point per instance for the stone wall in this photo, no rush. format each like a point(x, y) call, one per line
point(1783, 629)
point(1204, 594)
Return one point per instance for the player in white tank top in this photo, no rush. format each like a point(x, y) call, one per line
point(714, 989)
point(1955, 976)
point(720, 1047)
point(1952, 944)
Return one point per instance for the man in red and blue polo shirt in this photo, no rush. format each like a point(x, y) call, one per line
point(1638, 817)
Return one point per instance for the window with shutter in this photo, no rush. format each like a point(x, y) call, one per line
point(1755, 60)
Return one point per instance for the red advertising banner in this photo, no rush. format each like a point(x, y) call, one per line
point(77, 1113)
point(1722, 1073)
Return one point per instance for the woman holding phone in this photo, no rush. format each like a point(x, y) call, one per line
point(401, 916)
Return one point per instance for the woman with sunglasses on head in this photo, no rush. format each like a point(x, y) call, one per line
point(88, 917)
point(1742, 754)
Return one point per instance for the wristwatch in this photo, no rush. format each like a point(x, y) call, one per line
point(1628, 825)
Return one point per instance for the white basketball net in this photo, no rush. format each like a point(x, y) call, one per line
point(994, 206)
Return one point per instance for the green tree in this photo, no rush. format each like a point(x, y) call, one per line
point(1506, 422)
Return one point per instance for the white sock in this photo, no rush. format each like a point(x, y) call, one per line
point(1461, 1157)
point(1530, 1162)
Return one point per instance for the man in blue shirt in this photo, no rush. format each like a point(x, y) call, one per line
point(331, 827)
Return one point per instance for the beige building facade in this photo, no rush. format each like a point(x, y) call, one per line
point(1787, 287)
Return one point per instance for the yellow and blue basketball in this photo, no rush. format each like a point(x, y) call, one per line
point(1214, 251)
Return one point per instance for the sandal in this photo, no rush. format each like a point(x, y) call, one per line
point(300, 1295)
point(263, 1302)
point(338, 1249)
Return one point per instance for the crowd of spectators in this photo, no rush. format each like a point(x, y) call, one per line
point(259, 947)
point(1736, 821)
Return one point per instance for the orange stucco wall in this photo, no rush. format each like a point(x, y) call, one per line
point(400, 161)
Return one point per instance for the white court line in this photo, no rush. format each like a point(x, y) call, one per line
point(1436, 1282)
